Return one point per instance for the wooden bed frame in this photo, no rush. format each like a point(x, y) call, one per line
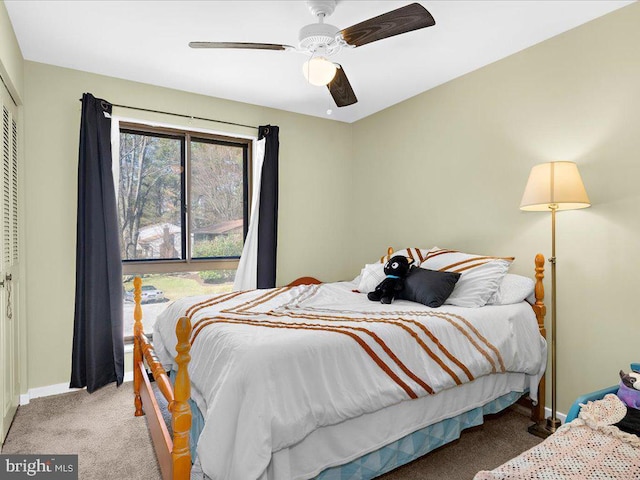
point(174, 457)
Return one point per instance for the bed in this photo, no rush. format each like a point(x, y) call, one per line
point(314, 381)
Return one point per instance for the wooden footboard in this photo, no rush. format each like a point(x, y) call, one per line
point(174, 457)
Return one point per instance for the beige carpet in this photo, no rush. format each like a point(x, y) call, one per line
point(110, 441)
point(113, 444)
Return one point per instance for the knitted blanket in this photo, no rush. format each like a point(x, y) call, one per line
point(588, 448)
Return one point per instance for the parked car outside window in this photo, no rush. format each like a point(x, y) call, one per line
point(149, 294)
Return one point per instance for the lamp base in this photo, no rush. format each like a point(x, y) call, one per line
point(544, 429)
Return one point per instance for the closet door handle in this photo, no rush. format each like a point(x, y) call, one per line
point(7, 278)
point(9, 307)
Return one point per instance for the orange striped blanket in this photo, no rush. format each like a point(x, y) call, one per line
point(270, 366)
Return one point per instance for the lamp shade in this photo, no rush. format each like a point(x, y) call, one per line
point(554, 184)
point(319, 71)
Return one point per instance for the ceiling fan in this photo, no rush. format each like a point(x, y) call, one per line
point(322, 40)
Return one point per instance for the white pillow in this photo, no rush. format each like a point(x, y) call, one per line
point(370, 276)
point(513, 289)
point(480, 276)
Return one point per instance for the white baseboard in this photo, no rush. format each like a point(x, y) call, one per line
point(559, 415)
point(46, 391)
point(57, 389)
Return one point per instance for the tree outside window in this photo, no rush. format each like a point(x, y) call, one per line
point(183, 208)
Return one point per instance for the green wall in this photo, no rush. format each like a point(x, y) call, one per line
point(315, 181)
point(451, 165)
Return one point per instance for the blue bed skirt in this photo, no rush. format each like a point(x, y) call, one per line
point(398, 453)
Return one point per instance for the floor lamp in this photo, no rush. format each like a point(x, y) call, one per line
point(551, 187)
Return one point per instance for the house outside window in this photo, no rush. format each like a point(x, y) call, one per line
point(183, 214)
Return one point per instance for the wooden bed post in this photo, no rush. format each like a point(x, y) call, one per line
point(537, 412)
point(137, 348)
point(181, 412)
point(174, 455)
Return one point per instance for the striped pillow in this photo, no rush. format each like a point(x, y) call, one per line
point(480, 275)
point(417, 254)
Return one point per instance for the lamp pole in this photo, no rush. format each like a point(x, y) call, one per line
point(552, 422)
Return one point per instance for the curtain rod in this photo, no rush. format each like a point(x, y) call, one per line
point(181, 115)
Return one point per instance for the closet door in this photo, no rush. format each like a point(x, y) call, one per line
point(9, 264)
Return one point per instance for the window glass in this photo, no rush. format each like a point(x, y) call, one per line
point(149, 197)
point(160, 289)
point(217, 199)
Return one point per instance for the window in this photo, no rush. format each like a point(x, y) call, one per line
point(183, 213)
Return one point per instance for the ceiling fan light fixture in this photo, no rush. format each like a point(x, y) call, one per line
point(319, 71)
point(321, 40)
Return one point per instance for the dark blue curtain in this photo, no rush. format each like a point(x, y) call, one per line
point(98, 346)
point(268, 216)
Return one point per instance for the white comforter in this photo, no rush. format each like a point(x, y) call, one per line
point(270, 366)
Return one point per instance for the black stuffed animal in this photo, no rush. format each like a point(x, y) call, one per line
point(395, 269)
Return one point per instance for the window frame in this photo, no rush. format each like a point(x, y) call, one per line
point(189, 264)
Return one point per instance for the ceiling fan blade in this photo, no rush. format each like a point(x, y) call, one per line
point(250, 46)
point(402, 20)
point(341, 90)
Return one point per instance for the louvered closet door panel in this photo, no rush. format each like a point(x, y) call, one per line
point(9, 263)
point(12, 281)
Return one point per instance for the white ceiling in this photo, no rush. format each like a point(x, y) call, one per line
point(146, 41)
